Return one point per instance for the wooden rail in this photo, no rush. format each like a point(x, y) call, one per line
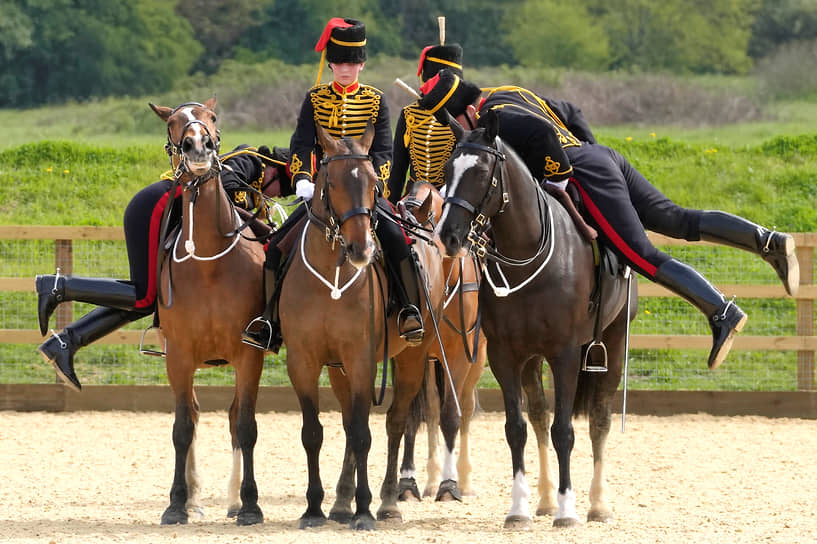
point(804, 342)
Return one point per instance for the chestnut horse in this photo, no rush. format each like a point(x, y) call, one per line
point(539, 299)
point(212, 279)
point(332, 311)
point(465, 351)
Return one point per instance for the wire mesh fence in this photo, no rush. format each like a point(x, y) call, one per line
point(668, 369)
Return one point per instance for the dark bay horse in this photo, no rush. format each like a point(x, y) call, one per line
point(465, 351)
point(537, 302)
point(332, 311)
point(211, 278)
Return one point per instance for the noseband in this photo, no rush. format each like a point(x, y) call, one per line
point(332, 227)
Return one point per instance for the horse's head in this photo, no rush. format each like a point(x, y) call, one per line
point(473, 181)
point(192, 137)
point(346, 187)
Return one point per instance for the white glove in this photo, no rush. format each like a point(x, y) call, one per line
point(304, 189)
point(560, 184)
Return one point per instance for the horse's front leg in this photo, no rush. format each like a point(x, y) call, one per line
point(184, 430)
point(247, 377)
point(540, 421)
point(565, 367)
point(341, 510)
point(409, 369)
point(516, 434)
point(450, 426)
point(359, 440)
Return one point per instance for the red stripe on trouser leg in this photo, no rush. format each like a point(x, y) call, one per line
point(611, 234)
point(155, 225)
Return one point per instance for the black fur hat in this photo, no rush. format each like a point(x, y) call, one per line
point(447, 90)
point(344, 41)
point(436, 57)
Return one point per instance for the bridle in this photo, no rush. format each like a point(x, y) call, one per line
point(174, 149)
point(479, 243)
point(333, 224)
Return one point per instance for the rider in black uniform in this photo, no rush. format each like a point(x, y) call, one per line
point(247, 174)
point(558, 147)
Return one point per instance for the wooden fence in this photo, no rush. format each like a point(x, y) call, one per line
point(804, 342)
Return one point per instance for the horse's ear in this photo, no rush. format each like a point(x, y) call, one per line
point(491, 123)
point(327, 142)
point(444, 117)
point(368, 136)
point(425, 210)
point(211, 104)
point(162, 111)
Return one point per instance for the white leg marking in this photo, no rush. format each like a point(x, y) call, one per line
point(449, 465)
point(234, 483)
point(406, 473)
point(567, 505)
point(520, 495)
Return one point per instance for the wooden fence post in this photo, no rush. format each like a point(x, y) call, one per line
point(64, 257)
point(805, 320)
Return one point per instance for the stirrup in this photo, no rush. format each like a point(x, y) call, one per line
point(248, 338)
point(593, 366)
point(413, 336)
point(147, 351)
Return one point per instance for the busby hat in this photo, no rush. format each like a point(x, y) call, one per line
point(343, 40)
point(447, 90)
point(436, 57)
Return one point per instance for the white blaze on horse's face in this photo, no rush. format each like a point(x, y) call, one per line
point(461, 164)
point(199, 158)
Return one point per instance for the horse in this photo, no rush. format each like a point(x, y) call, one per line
point(465, 351)
point(332, 311)
point(203, 316)
point(540, 300)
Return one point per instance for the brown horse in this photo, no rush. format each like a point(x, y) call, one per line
point(465, 352)
point(206, 308)
point(540, 299)
point(333, 312)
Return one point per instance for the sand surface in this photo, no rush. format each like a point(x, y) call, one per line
point(87, 477)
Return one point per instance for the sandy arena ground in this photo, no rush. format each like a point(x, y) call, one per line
point(90, 477)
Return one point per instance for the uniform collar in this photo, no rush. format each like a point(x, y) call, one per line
point(340, 89)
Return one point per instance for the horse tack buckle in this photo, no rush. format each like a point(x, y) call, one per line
point(478, 244)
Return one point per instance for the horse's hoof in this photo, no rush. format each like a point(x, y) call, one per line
point(308, 522)
point(600, 516)
point(566, 522)
point(363, 522)
point(233, 510)
point(390, 515)
point(546, 511)
point(407, 490)
point(518, 523)
point(196, 512)
point(341, 516)
point(249, 516)
point(449, 491)
point(174, 516)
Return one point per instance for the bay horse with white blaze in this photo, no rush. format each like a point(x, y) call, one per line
point(333, 313)
point(206, 309)
point(540, 299)
point(448, 400)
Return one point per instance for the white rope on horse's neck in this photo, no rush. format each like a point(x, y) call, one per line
point(190, 245)
point(504, 291)
point(336, 292)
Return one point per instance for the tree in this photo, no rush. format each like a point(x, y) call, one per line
point(780, 22)
point(571, 38)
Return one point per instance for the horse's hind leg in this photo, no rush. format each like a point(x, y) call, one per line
point(450, 426)
point(234, 483)
point(600, 417)
point(468, 405)
point(432, 405)
point(540, 421)
point(184, 428)
point(191, 477)
point(407, 485)
point(247, 378)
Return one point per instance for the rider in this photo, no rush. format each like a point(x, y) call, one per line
point(343, 107)
point(247, 173)
point(556, 144)
point(422, 144)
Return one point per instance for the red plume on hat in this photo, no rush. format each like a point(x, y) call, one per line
point(334, 22)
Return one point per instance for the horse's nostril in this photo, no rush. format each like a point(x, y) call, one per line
point(187, 145)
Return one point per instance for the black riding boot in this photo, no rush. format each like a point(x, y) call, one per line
point(264, 332)
point(776, 248)
point(54, 289)
point(409, 320)
point(725, 318)
point(59, 349)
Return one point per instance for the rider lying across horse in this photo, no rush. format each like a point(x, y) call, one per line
point(249, 175)
point(559, 148)
point(342, 107)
